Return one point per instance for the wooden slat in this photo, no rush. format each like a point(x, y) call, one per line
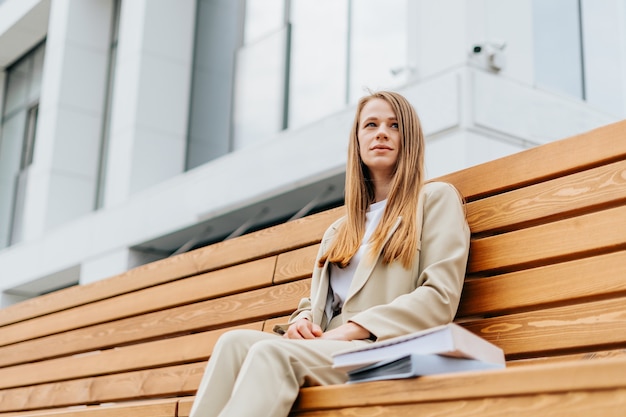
point(146, 408)
point(608, 403)
point(184, 406)
point(560, 240)
point(469, 394)
point(295, 264)
point(545, 286)
point(263, 243)
point(615, 353)
point(189, 348)
point(570, 194)
point(148, 275)
point(593, 148)
point(592, 375)
point(580, 327)
point(271, 241)
point(151, 383)
point(213, 284)
point(269, 324)
point(250, 306)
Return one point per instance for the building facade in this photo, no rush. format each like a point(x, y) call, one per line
point(132, 130)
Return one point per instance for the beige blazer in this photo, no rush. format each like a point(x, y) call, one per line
point(389, 300)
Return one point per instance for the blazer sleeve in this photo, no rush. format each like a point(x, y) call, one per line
point(439, 276)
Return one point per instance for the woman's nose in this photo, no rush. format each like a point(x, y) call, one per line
point(382, 132)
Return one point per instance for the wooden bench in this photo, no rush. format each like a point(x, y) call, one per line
point(546, 281)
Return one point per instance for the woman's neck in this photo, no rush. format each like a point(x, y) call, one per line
point(381, 190)
point(381, 182)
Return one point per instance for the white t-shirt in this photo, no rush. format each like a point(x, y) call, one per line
point(341, 278)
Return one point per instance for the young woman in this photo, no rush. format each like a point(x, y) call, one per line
point(394, 264)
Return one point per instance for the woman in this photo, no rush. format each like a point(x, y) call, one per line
point(394, 264)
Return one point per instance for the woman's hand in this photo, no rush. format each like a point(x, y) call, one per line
point(347, 331)
point(303, 329)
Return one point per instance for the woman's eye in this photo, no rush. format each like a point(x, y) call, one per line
point(394, 125)
point(370, 124)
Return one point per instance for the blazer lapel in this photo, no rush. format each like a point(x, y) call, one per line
point(323, 286)
point(366, 266)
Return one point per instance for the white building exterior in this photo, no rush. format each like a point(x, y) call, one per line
point(134, 129)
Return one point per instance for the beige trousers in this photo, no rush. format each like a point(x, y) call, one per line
point(258, 374)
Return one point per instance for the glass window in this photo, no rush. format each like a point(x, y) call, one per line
point(34, 90)
point(604, 46)
point(262, 17)
point(334, 43)
point(318, 61)
point(10, 156)
point(218, 36)
point(260, 90)
point(18, 83)
point(17, 139)
point(108, 102)
point(378, 46)
point(557, 46)
point(290, 73)
point(30, 131)
point(259, 106)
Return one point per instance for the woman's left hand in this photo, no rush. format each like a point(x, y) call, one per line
point(347, 331)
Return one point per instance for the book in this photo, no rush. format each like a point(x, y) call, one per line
point(415, 365)
point(448, 340)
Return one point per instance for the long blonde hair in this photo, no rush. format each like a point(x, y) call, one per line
point(402, 199)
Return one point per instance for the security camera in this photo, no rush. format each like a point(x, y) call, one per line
point(490, 55)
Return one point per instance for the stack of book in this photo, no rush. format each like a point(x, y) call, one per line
point(441, 349)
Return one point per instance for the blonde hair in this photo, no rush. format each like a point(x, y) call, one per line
point(402, 199)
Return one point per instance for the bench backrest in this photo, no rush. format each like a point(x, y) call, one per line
point(546, 277)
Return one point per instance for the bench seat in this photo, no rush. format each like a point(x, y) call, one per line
point(546, 281)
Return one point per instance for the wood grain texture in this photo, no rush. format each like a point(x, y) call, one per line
point(239, 278)
point(545, 286)
point(144, 276)
point(571, 376)
point(295, 264)
point(615, 353)
point(151, 383)
point(561, 240)
point(184, 406)
point(480, 395)
point(561, 197)
point(159, 353)
point(584, 327)
point(147, 408)
point(250, 306)
point(594, 148)
point(608, 403)
point(269, 324)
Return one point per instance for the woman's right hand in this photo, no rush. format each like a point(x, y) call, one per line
point(303, 329)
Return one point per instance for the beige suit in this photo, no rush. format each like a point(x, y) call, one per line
point(258, 374)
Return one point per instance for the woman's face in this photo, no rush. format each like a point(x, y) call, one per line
point(379, 138)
